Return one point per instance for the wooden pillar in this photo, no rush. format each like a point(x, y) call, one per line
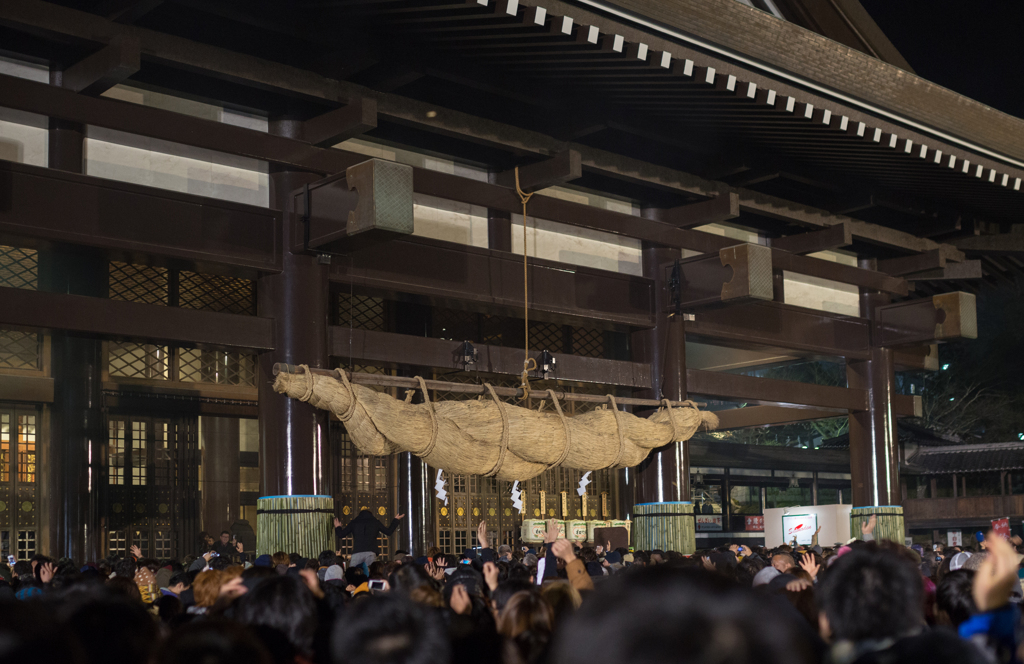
point(416, 532)
point(665, 475)
point(220, 473)
point(874, 446)
point(76, 418)
point(293, 435)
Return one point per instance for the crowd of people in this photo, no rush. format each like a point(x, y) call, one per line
point(560, 602)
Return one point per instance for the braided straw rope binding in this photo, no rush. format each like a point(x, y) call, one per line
point(433, 419)
point(618, 427)
point(565, 428)
point(504, 431)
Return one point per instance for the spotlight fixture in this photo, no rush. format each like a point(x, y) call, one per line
point(546, 364)
point(467, 354)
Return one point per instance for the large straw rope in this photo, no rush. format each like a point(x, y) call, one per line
point(491, 437)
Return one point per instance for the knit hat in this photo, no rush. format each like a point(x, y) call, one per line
point(334, 572)
point(613, 557)
point(765, 576)
point(263, 561)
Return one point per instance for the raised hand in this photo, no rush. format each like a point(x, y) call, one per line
point(708, 565)
point(460, 601)
point(399, 517)
point(868, 527)
point(796, 585)
point(563, 549)
point(136, 551)
point(552, 532)
point(435, 572)
point(46, 572)
point(238, 547)
point(481, 535)
point(809, 565)
point(491, 575)
point(337, 522)
point(996, 576)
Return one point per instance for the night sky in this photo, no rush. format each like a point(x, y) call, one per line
point(973, 47)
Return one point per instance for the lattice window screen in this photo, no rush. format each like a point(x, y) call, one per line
point(217, 367)
point(19, 268)
point(213, 292)
point(20, 350)
point(131, 360)
point(137, 283)
point(362, 312)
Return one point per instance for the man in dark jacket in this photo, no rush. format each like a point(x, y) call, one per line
point(364, 529)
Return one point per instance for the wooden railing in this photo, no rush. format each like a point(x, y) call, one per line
point(927, 511)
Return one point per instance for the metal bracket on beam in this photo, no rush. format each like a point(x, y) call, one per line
point(370, 202)
point(562, 167)
point(940, 317)
point(732, 275)
point(716, 209)
point(102, 70)
point(333, 127)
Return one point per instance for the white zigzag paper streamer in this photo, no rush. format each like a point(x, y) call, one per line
point(583, 484)
point(517, 500)
point(439, 486)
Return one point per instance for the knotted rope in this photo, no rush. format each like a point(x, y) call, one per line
point(565, 428)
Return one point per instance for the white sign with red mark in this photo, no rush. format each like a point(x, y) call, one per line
point(799, 527)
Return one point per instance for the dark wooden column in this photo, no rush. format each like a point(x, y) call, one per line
point(76, 418)
point(874, 448)
point(665, 475)
point(220, 473)
point(292, 432)
point(416, 533)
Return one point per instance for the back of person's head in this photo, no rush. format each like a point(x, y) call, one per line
point(113, 630)
point(954, 597)
point(665, 615)
point(168, 608)
point(504, 550)
point(563, 598)
point(284, 605)
point(206, 587)
point(126, 567)
point(506, 589)
point(23, 570)
point(326, 558)
point(213, 642)
point(872, 593)
point(525, 612)
point(385, 629)
point(355, 576)
point(124, 587)
point(281, 558)
point(294, 558)
point(407, 577)
point(179, 578)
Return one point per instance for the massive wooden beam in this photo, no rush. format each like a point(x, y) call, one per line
point(737, 387)
point(157, 123)
point(952, 271)
point(393, 348)
point(938, 318)
point(833, 237)
point(354, 119)
point(457, 275)
point(114, 319)
point(562, 167)
point(769, 416)
point(713, 210)
point(732, 275)
point(1004, 244)
point(104, 69)
point(369, 203)
point(904, 265)
point(41, 204)
point(63, 23)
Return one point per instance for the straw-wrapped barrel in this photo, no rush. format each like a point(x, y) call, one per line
point(665, 526)
point(888, 525)
point(295, 524)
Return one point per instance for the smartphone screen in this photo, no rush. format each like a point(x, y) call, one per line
point(376, 584)
point(11, 560)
